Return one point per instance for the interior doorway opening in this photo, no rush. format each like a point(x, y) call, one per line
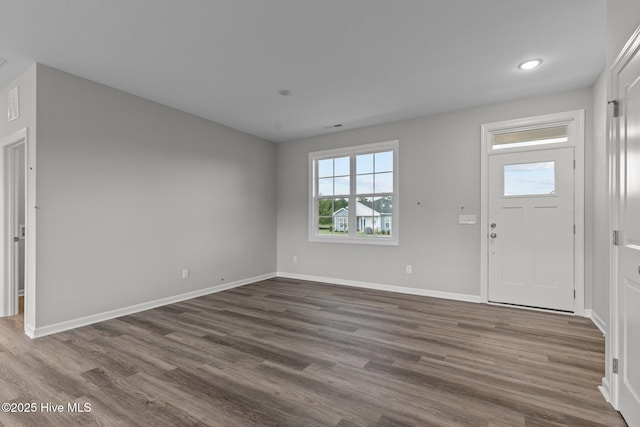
point(17, 162)
point(14, 295)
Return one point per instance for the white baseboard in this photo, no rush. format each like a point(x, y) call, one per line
point(382, 287)
point(30, 331)
point(100, 317)
point(604, 389)
point(597, 320)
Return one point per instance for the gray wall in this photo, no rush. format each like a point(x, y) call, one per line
point(440, 168)
point(131, 192)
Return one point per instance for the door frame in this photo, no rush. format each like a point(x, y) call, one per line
point(8, 288)
point(628, 52)
point(575, 122)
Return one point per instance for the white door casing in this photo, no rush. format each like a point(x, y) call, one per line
point(570, 177)
point(625, 289)
point(7, 292)
point(10, 224)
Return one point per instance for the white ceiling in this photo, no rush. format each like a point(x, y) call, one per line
point(354, 62)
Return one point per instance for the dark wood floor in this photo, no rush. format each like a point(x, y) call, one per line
point(290, 353)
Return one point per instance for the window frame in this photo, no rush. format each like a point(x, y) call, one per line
point(352, 152)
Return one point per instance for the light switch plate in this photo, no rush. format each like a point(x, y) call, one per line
point(466, 219)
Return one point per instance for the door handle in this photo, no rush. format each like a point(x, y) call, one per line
point(494, 235)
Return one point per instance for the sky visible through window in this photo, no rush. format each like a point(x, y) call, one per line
point(530, 179)
point(374, 174)
point(333, 176)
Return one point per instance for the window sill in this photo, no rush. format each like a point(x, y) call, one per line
point(355, 240)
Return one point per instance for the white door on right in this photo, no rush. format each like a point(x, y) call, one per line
point(531, 231)
point(628, 268)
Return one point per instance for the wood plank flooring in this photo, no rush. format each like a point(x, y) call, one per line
point(290, 353)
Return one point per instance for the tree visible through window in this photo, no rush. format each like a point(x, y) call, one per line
point(353, 192)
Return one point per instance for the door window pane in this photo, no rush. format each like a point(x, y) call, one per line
point(530, 179)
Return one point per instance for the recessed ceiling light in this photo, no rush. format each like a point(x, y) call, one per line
point(530, 64)
point(285, 92)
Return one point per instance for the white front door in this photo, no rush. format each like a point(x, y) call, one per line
point(628, 251)
point(531, 231)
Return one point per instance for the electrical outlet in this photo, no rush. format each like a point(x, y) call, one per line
point(185, 273)
point(408, 269)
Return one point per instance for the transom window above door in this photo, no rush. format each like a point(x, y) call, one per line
point(530, 137)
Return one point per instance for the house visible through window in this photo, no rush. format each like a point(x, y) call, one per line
point(353, 194)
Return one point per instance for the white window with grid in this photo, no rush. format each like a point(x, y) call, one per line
point(353, 194)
